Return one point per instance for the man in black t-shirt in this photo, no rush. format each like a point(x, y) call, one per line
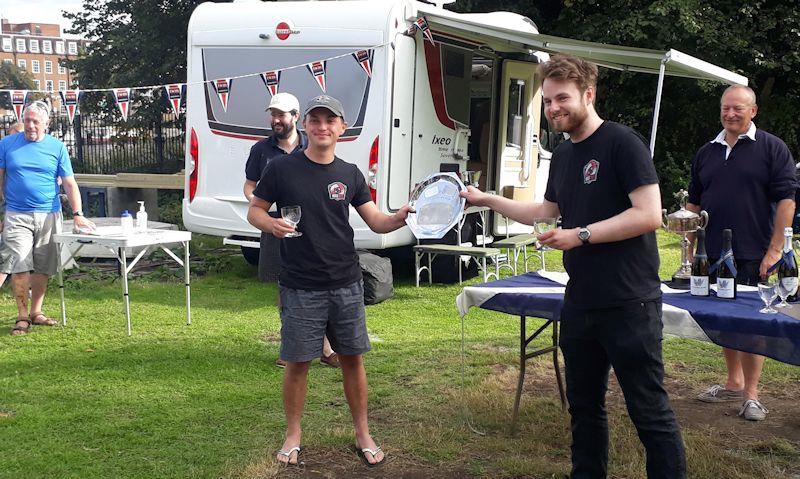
point(284, 111)
point(320, 283)
point(604, 186)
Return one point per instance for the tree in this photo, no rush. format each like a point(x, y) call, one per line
point(134, 44)
point(760, 40)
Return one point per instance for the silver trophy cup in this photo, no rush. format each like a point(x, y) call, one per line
point(683, 222)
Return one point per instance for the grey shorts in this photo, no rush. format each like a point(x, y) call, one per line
point(28, 243)
point(307, 316)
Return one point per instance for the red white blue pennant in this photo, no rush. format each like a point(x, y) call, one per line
point(364, 58)
point(421, 24)
point(272, 80)
point(317, 69)
point(123, 98)
point(18, 99)
point(175, 95)
point(70, 99)
point(223, 89)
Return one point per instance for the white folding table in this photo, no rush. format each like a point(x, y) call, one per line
point(116, 242)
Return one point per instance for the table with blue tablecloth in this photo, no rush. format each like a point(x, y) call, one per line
point(735, 324)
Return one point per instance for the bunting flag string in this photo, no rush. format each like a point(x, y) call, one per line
point(317, 69)
point(272, 80)
point(122, 96)
point(18, 99)
point(175, 92)
point(70, 99)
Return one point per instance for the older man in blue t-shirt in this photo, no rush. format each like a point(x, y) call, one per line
point(30, 165)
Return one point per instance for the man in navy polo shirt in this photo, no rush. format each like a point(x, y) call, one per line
point(745, 179)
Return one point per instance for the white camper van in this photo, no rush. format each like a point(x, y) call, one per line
point(424, 90)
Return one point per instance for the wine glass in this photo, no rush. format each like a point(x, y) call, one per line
point(768, 292)
point(542, 225)
point(291, 215)
point(786, 287)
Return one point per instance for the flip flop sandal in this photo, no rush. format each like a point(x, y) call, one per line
point(39, 319)
point(362, 454)
point(21, 330)
point(288, 456)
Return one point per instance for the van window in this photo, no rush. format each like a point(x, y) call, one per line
point(516, 112)
point(457, 67)
point(248, 98)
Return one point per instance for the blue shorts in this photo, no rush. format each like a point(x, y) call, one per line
point(308, 316)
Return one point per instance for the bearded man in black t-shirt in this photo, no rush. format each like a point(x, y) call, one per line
point(320, 283)
point(604, 186)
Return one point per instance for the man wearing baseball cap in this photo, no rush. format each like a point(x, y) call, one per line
point(284, 111)
point(320, 285)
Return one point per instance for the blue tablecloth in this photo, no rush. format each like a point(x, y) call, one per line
point(733, 324)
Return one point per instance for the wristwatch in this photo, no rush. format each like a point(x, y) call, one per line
point(584, 234)
point(77, 213)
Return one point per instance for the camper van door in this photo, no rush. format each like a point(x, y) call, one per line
point(520, 101)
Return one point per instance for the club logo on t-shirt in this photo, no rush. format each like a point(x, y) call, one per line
point(590, 171)
point(337, 191)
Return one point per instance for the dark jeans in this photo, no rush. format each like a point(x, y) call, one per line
point(629, 339)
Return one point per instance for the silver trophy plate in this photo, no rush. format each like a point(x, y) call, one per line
point(437, 205)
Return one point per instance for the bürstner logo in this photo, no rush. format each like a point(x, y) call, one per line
point(284, 29)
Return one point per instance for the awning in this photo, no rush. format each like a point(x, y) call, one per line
point(519, 33)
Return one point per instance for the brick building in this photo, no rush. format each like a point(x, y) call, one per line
point(39, 49)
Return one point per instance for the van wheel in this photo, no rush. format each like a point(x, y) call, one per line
point(250, 255)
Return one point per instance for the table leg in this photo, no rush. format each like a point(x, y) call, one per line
point(61, 286)
point(522, 359)
point(186, 278)
point(124, 272)
point(559, 381)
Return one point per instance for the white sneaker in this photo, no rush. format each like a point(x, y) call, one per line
point(752, 410)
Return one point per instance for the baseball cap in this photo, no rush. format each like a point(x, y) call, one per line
point(284, 102)
point(328, 102)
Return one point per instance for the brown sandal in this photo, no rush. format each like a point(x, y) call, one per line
point(21, 330)
point(39, 319)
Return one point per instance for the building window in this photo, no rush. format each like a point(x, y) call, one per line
point(62, 70)
point(21, 45)
point(62, 85)
point(49, 85)
point(7, 44)
point(35, 66)
point(34, 46)
point(48, 66)
point(8, 60)
point(72, 48)
point(22, 64)
point(36, 85)
point(47, 46)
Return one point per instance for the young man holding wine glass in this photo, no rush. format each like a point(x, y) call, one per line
point(745, 179)
point(320, 284)
point(604, 186)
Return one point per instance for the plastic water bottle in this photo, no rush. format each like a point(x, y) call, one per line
point(126, 221)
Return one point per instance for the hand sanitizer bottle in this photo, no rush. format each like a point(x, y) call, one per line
point(141, 218)
point(126, 221)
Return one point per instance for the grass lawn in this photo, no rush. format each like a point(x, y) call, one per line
point(179, 401)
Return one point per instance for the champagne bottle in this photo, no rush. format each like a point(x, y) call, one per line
point(787, 271)
point(699, 280)
point(726, 280)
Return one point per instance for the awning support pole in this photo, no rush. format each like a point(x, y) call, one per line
point(656, 110)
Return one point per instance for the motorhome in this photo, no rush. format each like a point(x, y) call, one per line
point(425, 90)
